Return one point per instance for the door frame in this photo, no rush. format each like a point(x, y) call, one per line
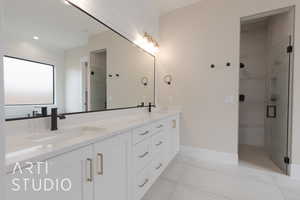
point(84, 63)
point(291, 9)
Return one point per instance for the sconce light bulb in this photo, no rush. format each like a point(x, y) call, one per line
point(67, 3)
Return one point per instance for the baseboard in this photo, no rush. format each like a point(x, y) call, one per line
point(208, 155)
point(295, 171)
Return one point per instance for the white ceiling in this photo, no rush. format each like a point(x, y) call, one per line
point(56, 24)
point(166, 6)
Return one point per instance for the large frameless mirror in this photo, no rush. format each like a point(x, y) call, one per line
point(57, 55)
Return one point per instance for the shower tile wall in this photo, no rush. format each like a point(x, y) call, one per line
point(253, 83)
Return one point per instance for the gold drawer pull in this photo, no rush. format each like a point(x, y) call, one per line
point(89, 165)
point(145, 182)
point(99, 163)
point(159, 166)
point(174, 123)
point(145, 133)
point(160, 143)
point(160, 126)
point(144, 155)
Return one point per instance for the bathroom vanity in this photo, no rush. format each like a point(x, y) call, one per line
point(113, 159)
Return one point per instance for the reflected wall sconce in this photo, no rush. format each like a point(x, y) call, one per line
point(168, 79)
point(151, 40)
point(144, 81)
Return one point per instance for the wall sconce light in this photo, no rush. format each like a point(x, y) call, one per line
point(168, 79)
point(144, 81)
point(148, 43)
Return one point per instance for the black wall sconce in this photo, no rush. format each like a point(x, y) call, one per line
point(144, 81)
point(168, 79)
point(242, 98)
point(242, 65)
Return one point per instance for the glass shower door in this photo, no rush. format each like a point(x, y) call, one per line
point(277, 109)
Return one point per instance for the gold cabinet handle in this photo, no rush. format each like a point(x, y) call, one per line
point(89, 174)
point(144, 133)
point(145, 182)
point(160, 143)
point(159, 166)
point(174, 123)
point(144, 155)
point(99, 163)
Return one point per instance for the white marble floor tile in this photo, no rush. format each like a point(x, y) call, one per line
point(190, 193)
point(161, 190)
point(231, 186)
point(257, 158)
point(187, 179)
point(174, 171)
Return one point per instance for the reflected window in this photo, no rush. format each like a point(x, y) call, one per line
point(28, 82)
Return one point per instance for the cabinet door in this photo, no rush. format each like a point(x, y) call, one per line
point(67, 176)
point(111, 168)
point(174, 145)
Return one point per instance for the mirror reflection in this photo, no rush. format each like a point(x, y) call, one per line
point(69, 61)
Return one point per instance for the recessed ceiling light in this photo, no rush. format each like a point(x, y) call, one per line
point(36, 37)
point(67, 3)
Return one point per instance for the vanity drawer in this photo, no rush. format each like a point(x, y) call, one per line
point(142, 154)
point(159, 126)
point(139, 134)
point(158, 142)
point(143, 182)
point(157, 166)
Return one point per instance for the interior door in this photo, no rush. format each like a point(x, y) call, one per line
point(278, 101)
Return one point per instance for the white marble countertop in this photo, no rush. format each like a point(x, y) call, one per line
point(42, 146)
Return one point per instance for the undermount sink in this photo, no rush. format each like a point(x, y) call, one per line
point(66, 134)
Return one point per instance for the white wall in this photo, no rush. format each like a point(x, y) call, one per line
point(253, 53)
point(131, 64)
point(123, 58)
point(73, 79)
point(194, 37)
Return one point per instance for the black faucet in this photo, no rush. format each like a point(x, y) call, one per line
point(149, 107)
point(141, 105)
point(54, 117)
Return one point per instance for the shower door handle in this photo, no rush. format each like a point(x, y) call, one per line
point(271, 111)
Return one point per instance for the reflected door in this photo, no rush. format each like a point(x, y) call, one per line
point(278, 101)
point(98, 80)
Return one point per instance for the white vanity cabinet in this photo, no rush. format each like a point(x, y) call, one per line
point(121, 167)
point(153, 146)
point(111, 168)
point(67, 176)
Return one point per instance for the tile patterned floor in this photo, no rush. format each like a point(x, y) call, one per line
point(186, 179)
